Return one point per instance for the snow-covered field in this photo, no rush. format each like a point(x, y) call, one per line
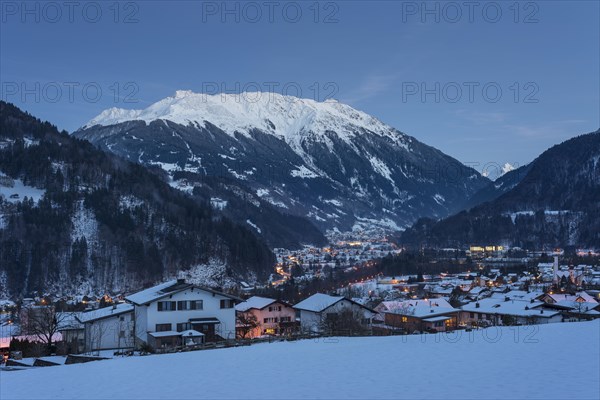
point(556, 361)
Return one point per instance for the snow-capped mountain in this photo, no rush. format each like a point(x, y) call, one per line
point(327, 161)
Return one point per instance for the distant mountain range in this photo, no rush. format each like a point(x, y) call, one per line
point(498, 187)
point(325, 161)
point(77, 220)
point(553, 202)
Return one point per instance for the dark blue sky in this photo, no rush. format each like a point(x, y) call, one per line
point(433, 73)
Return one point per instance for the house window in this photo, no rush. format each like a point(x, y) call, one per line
point(189, 305)
point(166, 305)
point(274, 308)
point(365, 321)
point(331, 317)
point(472, 315)
point(286, 319)
point(185, 326)
point(163, 327)
point(227, 303)
point(404, 319)
point(196, 305)
point(439, 324)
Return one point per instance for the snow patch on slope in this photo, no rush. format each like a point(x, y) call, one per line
point(303, 172)
point(252, 224)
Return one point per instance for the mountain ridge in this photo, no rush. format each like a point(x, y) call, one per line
point(340, 167)
point(556, 204)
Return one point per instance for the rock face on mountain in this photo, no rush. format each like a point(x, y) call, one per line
point(77, 220)
point(341, 168)
point(556, 204)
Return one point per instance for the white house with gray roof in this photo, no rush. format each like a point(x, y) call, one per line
point(108, 328)
point(314, 311)
point(166, 312)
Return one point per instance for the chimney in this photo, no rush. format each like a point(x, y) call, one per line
point(477, 305)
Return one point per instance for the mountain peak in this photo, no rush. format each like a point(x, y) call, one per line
point(284, 116)
point(180, 94)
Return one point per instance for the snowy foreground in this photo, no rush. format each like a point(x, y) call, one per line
point(551, 361)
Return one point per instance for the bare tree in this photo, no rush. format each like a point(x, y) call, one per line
point(344, 322)
point(43, 322)
point(246, 322)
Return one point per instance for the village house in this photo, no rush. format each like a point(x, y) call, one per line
point(72, 331)
point(108, 328)
point(260, 316)
point(319, 311)
point(580, 305)
point(580, 297)
point(511, 308)
point(424, 315)
point(177, 313)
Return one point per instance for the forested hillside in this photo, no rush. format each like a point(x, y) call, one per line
point(74, 217)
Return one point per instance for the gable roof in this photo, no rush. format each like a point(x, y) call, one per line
point(421, 308)
point(69, 320)
point(517, 295)
point(511, 307)
point(151, 294)
point(577, 306)
point(257, 302)
point(168, 288)
point(105, 312)
point(320, 301)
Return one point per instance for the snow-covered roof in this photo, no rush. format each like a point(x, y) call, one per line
point(441, 289)
point(569, 297)
point(520, 295)
point(318, 302)
point(437, 319)
point(478, 290)
point(69, 320)
point(421, 308)
point(511, 307)
point(105, 312)
point(165, 289)
point(164, 334)
point(578, 306)
point(191, 333)
point(254, 302)
point(150, 294)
